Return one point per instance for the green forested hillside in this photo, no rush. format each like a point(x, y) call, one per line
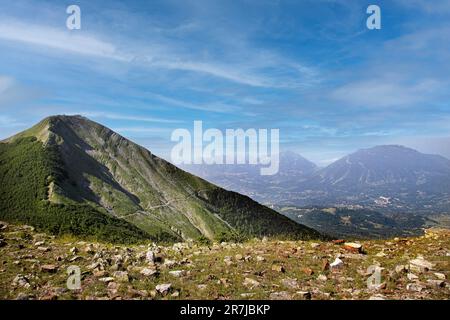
point(26, 171)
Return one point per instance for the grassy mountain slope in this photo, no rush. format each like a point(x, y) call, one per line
point(84, 166)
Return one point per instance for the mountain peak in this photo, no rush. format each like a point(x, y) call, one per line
point(86, 171)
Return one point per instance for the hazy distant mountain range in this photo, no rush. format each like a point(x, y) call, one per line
point(71, 175)
point(389, 178)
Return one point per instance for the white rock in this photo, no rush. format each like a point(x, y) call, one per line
point(121, 276)
point(400, 269)
point(420, 265)
point(322, 277)
point(21, 281)
point(250, 283)
point(305, 295)
point(290, 283)
point(436, 283)
point(177, 273)
point(163, 288)
point(440, 276)
point(150, 256)
point(412, 276)
point(414, 287)
point(337, 263)
point(148, 272)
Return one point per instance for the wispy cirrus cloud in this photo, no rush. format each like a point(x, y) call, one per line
point(386, 92)
point(158, 54)
point(5, 84)
point(123, 117)
point(59, 39)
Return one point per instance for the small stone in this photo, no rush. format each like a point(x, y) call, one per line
point(150, 256)
point(23, 296)
point(260, 259)
point(75, 258)
point(440, 276)
point(149, 272)
point(414, 287)
point(239, 257)
point(282, 295)
point(376, 287)
point(250, 283)
point(89, 249)
point(43, 249)
point(177, 273)
point(121, 276)
point(322, 277)
point(308, 271)
point(304, 295)
point(170, 263)
point(227, 260)
point(99, 273)
point(314, 245)
point(164, 288)
point(247, 295)
point(50, 268)
point(336, 264)
point(49, 297)
point(377, 297)
point(113, 286)
point(202, 287)
point(400, 269)
point(325, 265)
point(176, 294)
point(290, 283)
point(412, 276)
point(3, 225)
point(39, 243)
point(353, 247)
point(420, 265)
point(21, 281)
point(436, 283)
point(74, 250)
point(106, 279)
point(278, 268)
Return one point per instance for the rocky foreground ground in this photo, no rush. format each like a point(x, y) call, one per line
point(34, 266)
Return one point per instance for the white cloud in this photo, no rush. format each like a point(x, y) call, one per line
point(9, 122)
point(152, 130)
point(385, 92)
point(60, 39)
point(435, 6)
point(212, 107)
point(116, 116)
point(165, 54)
point(5, 84)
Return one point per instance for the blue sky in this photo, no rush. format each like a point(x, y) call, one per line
point(310, 68)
